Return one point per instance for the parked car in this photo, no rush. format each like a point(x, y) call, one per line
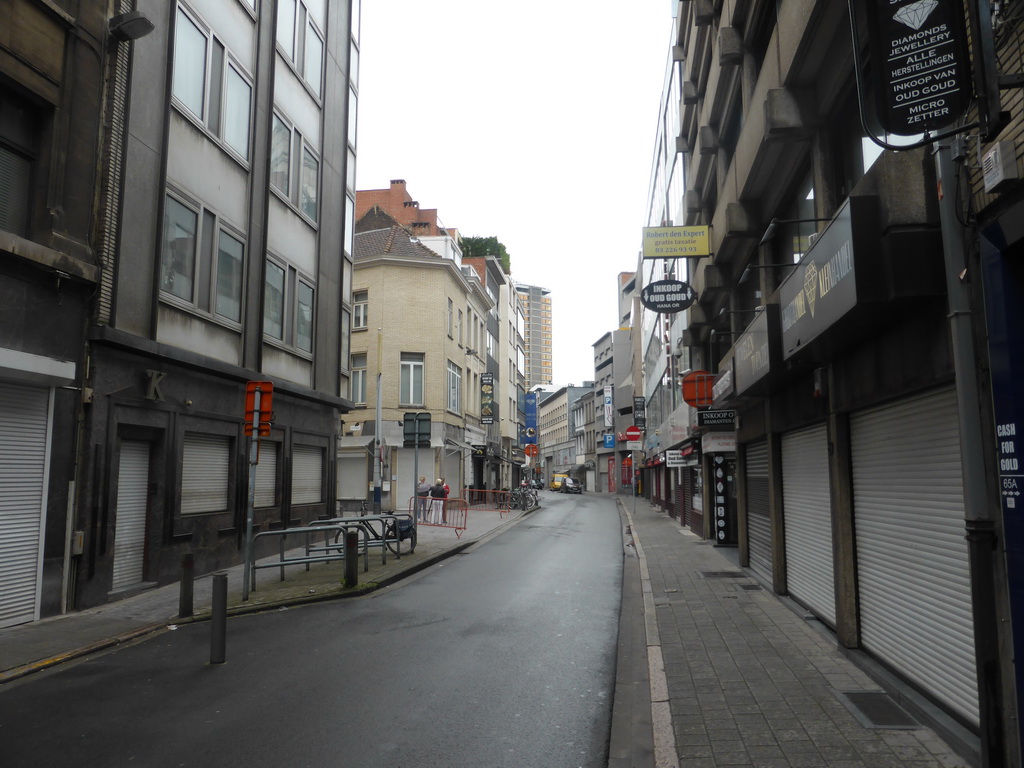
point(537, 485)
point(556, 481)
point(571, 485)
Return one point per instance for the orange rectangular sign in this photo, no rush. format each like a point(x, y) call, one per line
point(266, 404)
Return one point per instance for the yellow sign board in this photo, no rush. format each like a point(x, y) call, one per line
point(676, 242)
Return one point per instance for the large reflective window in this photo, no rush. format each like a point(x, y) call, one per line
point(189, 80)
point(178, 259)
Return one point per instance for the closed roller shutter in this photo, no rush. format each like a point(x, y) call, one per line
point(307, 474)
point(759, 528)
point(352, 482)
point(130, 515)
point(24, 429)
point(266, 475)
point(912, 569)
point(806, 509)
point(205, 462)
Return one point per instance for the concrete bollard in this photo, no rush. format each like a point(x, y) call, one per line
point(219, 619)
point(188, 584)
point(351, 558)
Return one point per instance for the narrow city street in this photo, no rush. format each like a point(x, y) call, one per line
point(501, 656)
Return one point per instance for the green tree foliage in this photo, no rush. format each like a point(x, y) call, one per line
point(485, 246)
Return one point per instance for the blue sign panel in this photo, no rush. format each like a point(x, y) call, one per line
point(530, 425)
point(609, 441)
point(1003, 266)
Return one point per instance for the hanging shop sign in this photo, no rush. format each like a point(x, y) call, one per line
point(667, 296)
point(697, 386)
point(487, 398)
point(922, 71)
point(839, 272)
point(758, 350)
point(676, 242)
point(718, 419)
point(718, 442)
point(640, 413)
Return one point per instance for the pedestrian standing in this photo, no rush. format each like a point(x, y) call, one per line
point(437, 501)
point(422, 498)
point(444, 504)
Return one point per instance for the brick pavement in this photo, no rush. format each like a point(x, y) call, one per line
point(751, 682)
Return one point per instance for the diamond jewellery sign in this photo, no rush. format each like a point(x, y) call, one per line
point(920, 62)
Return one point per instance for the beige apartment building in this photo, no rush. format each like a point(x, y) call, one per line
point(536, 303)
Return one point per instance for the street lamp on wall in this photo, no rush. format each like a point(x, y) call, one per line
point(769, 233)
point(130, 26)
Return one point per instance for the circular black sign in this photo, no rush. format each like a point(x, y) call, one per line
point(667, 296)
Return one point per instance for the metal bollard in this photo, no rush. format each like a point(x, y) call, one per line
point(351, 558)
point(188, 583)
point(219, 619)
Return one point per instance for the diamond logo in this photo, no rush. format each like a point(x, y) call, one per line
point(916, 14)
point(811, 285)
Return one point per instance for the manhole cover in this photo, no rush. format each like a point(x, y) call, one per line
point(723, 574)
point(875, 709)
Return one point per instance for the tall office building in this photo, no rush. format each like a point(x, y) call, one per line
point(536, 302)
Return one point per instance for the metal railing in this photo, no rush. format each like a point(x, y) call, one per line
point(329, 554)
point(441, 513)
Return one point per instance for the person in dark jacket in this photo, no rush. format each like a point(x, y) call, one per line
point(437, 496)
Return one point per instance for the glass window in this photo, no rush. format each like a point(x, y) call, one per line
point(310, 178)
point(15, 172)
point(356, 12)
point(353, 63)
point(352, 117)
point(178, 260)
point(286, 26)
point(280, 154)
point(359, 378)
point(360, 309)
point(273, 312)
point(313, 64)
point(350, 225)
point(411, 379)
point(237, 109)
point(454, 387)
point(304, 317)
point(346, 334)
point(189, 80)
point(229, 277)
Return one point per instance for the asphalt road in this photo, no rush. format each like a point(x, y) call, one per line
point(502, 656)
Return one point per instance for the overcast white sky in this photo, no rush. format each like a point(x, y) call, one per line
point(532, 121)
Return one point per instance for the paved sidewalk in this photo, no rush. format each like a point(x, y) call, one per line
point(750, 681)
point(28, 648)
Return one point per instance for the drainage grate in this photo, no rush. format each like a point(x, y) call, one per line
point(875, 709)
point(723, 574)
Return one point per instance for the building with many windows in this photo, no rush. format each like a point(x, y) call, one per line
point(51, 131)
point(431, 329)
point(848, 430)
point(225, 257)
point(536, 303)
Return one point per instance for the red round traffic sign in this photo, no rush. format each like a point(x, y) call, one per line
point(633, 433)
point(531, 450)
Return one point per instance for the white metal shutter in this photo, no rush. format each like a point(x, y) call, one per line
point(759, 528)
point(266, 475)
point(307, 474)
point(24, 430)
point(130, 515)
point(912, 569)
point(205, 461)
point(806, 510)
point(352, 475)
point(404, 487)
